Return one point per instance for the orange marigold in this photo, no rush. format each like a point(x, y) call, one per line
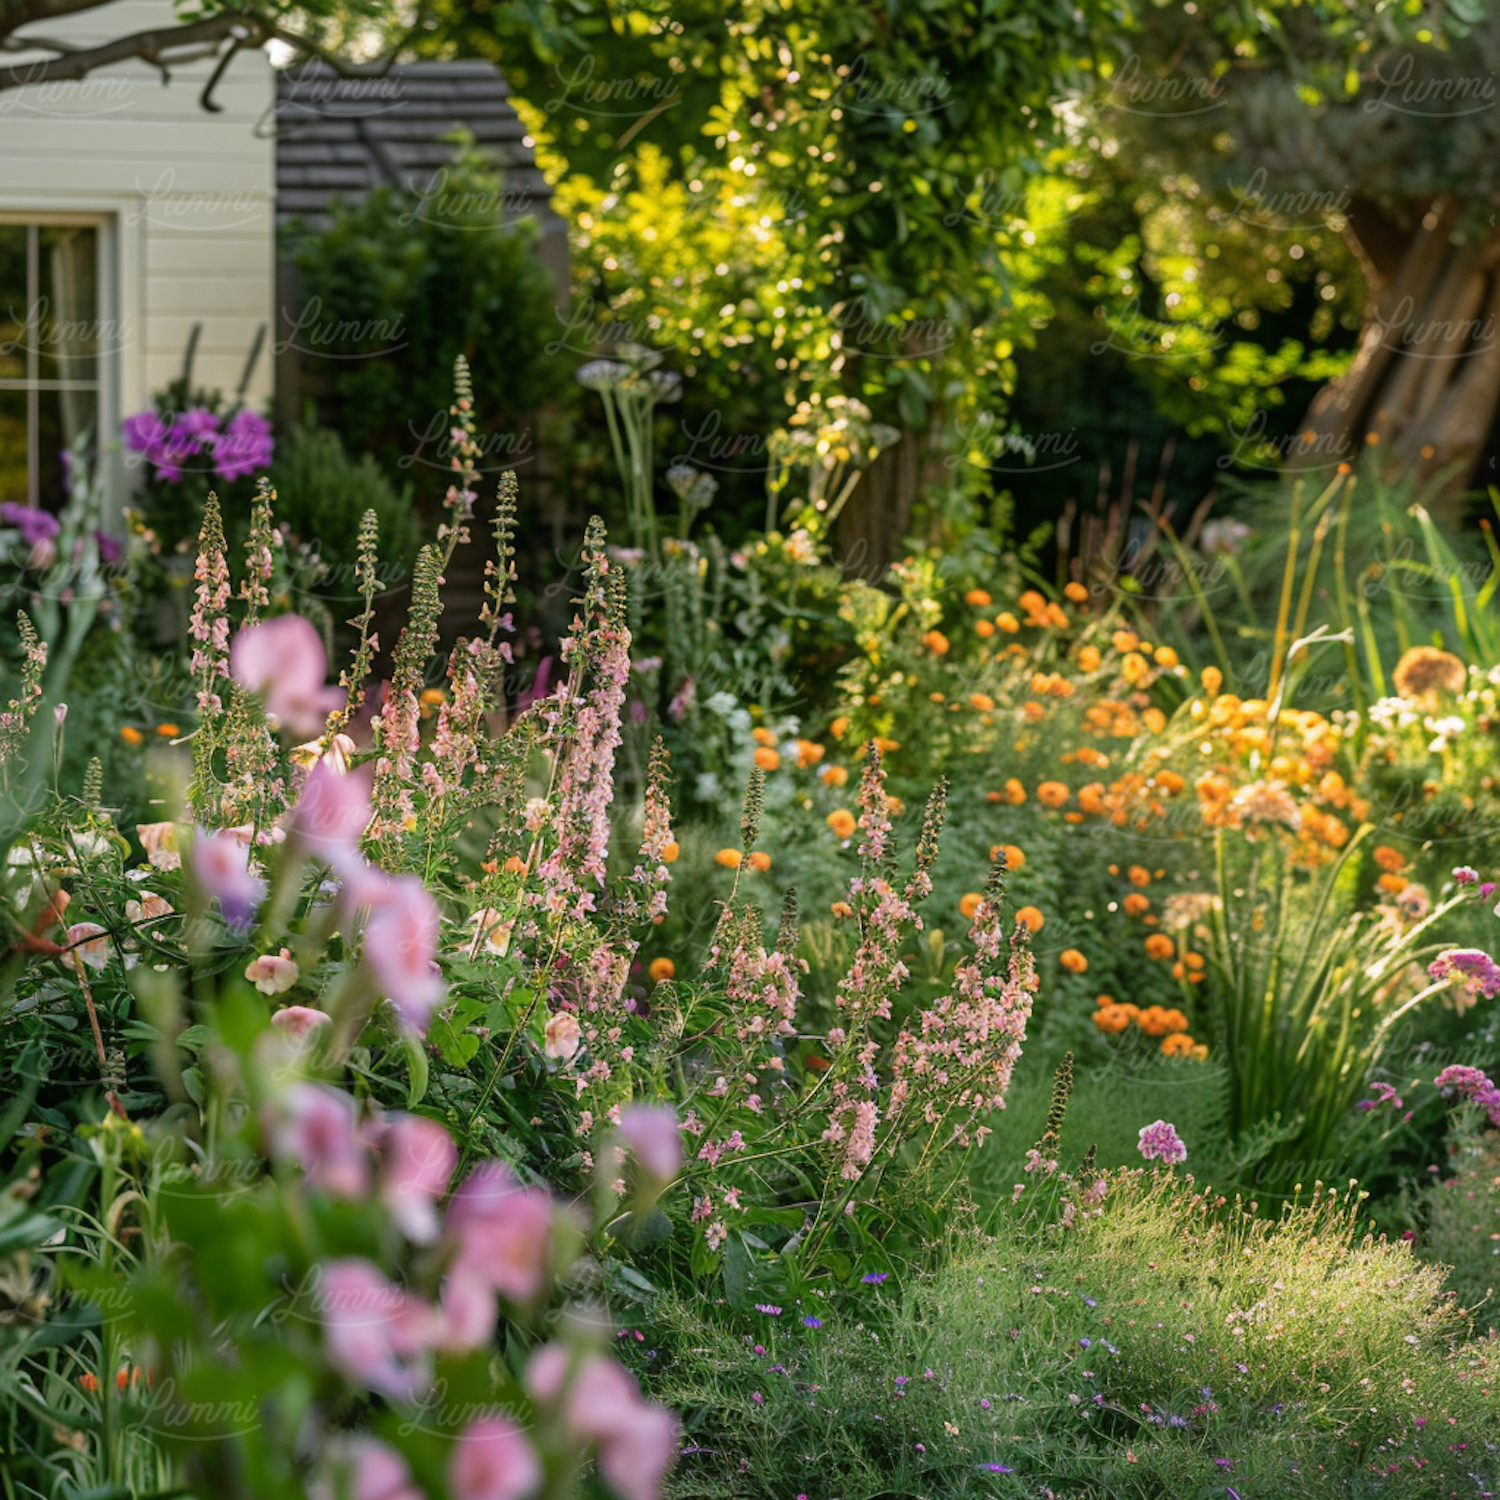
point(1007, 622)
point(982, 701)
point(978, 598)
point(984, 629)
point(1395, 884)
point(1014, 858)
point(767, 759)
point(1088, 658)
point(760, 860)
point(1015, 793)
point(936, 642)
point(1179, 1044)
point(842, 821)
point(1053, 794)
point(1165, 656)
point(968, 903)
point(1159, 945)
point(842, 909)
point(1030, 918)
point(1077, 593)
point(1135, 904)
point(763, 736)
point(809, 753)
point(1135, 668)
point(1125, 640)
point(662, 968)
point(131, 735)
point(1112, 1018)
point(840, 727)
point(1212, 679)
point(1388, 858)
point(833, 775)
point(729, 858)
point(1073, 961)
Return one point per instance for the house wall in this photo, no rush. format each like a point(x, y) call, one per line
point(186, 199)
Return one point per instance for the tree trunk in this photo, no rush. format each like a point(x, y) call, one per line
point(1424, 387)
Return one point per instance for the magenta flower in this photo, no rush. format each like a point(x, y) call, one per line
point(1160, 1142)
point(651, 1131)
point(493, 1461)
point(417, 1158)
point(400, 944)
point(244, 446)
point(504, 1232)
point(373, 1331)
point(1473, 966)
point(221, 868)
point(316, 1127)
point(282, 661)
point(1474, 1085)
point(34, 525)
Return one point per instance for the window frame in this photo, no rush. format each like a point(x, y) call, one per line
point(106, 383)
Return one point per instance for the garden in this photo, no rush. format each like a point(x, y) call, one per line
point(944, 946)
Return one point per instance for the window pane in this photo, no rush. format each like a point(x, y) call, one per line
point(13, 303)
point(13, 446)
point(65, 415)
point(68, 304)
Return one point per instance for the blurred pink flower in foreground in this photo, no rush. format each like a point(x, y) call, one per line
point(417, 1158)
point(379, 1473)
point(316, 1127)
point(283, 662)
point(298, 1020)
point(651, 1131)
point(493, 1461)
point(332, 813)
point(401, 941)
point(221, 867)
point(637, 1440)
point(374, 1331)
point(504, 1232)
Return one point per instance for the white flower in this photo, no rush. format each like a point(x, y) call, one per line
point(492, 931)
point(562, 1036)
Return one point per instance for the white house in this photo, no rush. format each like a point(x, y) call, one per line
point(129, 215)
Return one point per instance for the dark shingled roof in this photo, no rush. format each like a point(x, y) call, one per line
point(341, 137)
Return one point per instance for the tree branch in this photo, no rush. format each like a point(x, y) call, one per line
point(149, 45)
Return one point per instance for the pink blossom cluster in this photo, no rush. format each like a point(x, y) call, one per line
point(956, 1065)
point(237, 448)
point(1473, 1085)
point(1159, 1141)
point(1475, 968)
point(208, 625)
point(497, 1240)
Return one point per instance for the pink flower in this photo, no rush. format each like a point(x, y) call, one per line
point(468, 1313)
point(282, 661)
point(651, 1131)
point(90, 942)
point(159, 840)
point(221, 867)
point(1160, 1142)
point(1472, 965)
point(637, 1440)
point(417, 1158)
point(504, 1232)
point(373, 1331)
point(298, 1020)
point(493, 1461)
point(273, 973)
point(332, 813)
point(401, 941)
point(316, 1126)
point(379, 1473)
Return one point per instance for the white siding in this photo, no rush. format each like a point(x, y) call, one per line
point(186, 198)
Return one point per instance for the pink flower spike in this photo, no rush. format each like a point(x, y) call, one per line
point(652, 1132)
point(401, 941)
point(221, 867)
point(1160, 1142)
point(315, 1126)
point(332, 813)
point(493, 1461)
point(379, 1473)
point(504, 1232)
point(282, 661)
point(417, 1160)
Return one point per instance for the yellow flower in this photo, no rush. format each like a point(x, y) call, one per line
point(1212, 679)
point(1088, 658)
point(670, 850)
point(1165, 656)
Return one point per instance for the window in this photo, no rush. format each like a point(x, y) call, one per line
point(50, 355)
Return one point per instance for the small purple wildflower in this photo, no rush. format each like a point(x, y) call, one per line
point(1159, 1141)
point(874, 1278)
point(812, 1322)
point(769, 1309)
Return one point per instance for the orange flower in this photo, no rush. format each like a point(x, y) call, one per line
point(1032, 602)
point(978, 598)
point(1135, 668)
point(1032, 709)
point(1153, 1021)
point(1007, 622)
point(936, 642)
point(809, 753)
point(433, 698)
point(1395, 884)
point(1111, 1018)
point(894, 806)
point(938, 697)
point(1212, 679)
point(131, 735)
point(983, 629)
point(1014, 792)
point(767, 760)
point(1073, 961)
point(840, 727)
point(662, 968)
point(1077, 593)
point(1055, 616)
point(168, 731)
point(1030, 918)
point(1165, 656)
point(1014, 858)
point(842, 821)
point(842, 909)
point(1088, 658)
point(760, 860)
point(1178, 1044)
point(1388, 858)
point(1159, 945)
point(1052, 794)
point(1154, 719)
point(1125, 640)
point(729, 858)
point(982, 701)
point(1170, 781)
point(515, 865)
point(969, 903)
point(1193, 960)
point(833, 775)
point(89, 1381)
point(669, 852)
point(884, 745)
point(1135, 904)
point(1138, 875)
point(763, 736)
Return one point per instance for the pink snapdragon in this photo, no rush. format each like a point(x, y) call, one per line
point(299, 1021)
point(652, 1132)
point(332, 813)
point(493, 1461)
point(401, 943)
point(379, 1473)
point(273, 973)
point(316, 1127)
point(503, 1232)
point(282, 661)
point(221, 868)
point(375, 1333)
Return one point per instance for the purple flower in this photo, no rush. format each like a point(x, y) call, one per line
point(109, 549)
point(1474, 1085)
point(1466, 875)
point(1160, 1142)
point(34, 525)
point(812, 1322)
point(996, 1469)
point(244, 446)
point(874, 1278)
point(1475, 967)
point(769, 1309)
